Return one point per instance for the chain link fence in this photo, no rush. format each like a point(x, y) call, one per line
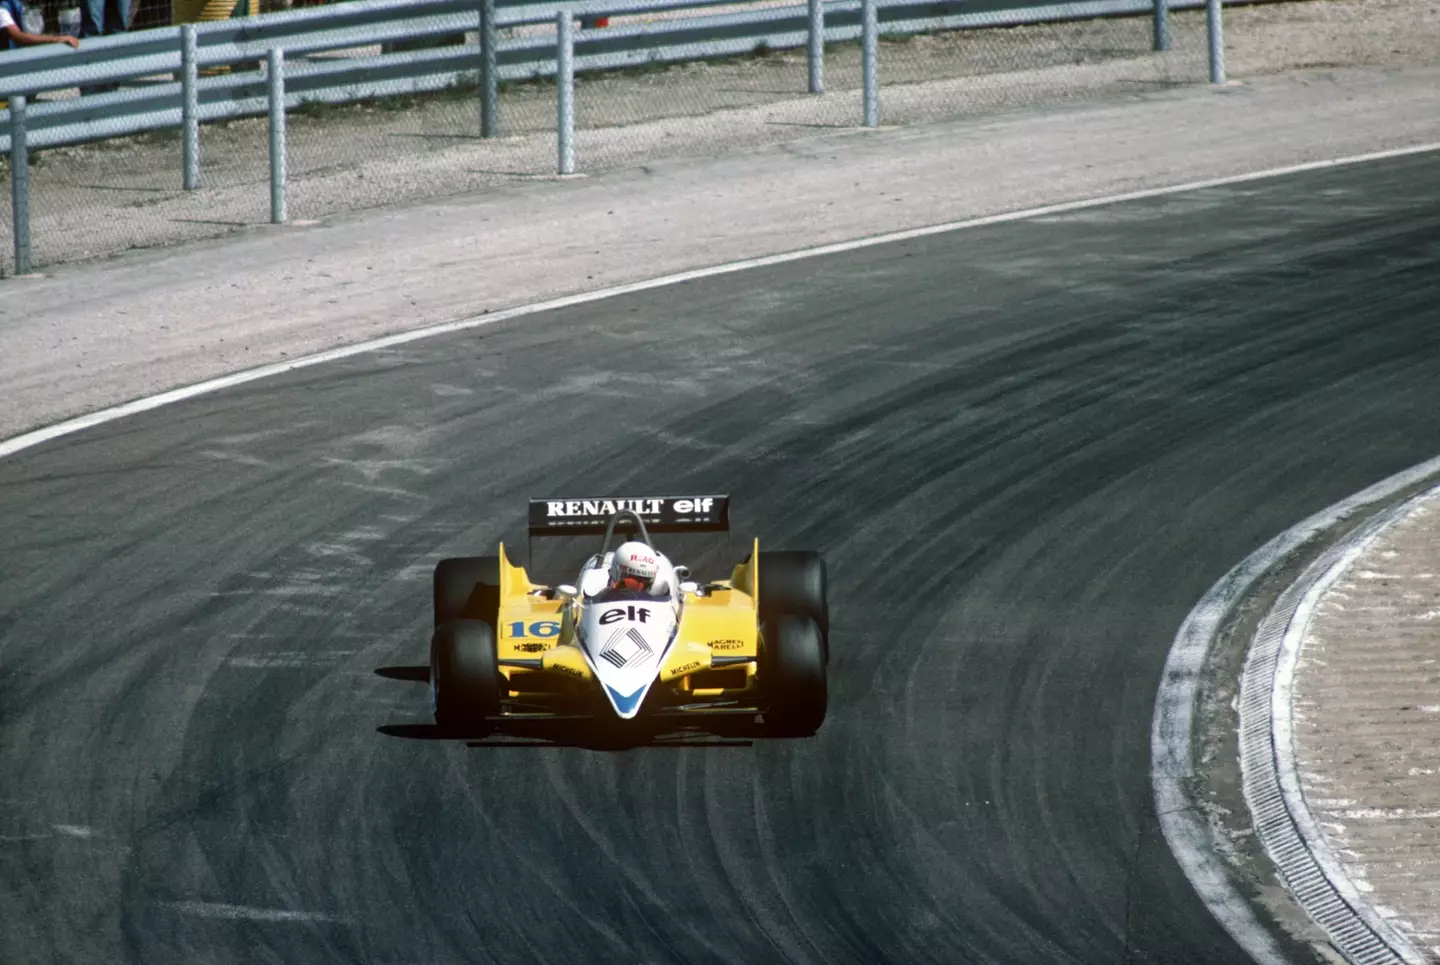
point(97, 199)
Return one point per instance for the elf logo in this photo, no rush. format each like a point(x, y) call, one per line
point(637, 614)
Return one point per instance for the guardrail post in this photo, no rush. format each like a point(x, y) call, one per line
point(20, 184)
point(817, 46)
point(565, 88)
point(489, 81)
point(1162, 25)
point(1216, 30)
point(190, 104)
point(869, 42)
point(275, 71)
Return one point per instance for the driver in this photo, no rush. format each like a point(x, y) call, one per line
point(632, 571)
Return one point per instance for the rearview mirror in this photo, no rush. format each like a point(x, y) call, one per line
point(567, 591)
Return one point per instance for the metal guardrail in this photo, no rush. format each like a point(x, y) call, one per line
point(321, 60)
point(146, 58)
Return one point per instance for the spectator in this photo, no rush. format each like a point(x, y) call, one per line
point(100, 17)
point(13, 33)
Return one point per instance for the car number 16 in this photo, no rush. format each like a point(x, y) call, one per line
point(537, 628)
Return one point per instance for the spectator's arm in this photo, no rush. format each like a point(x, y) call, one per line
point(23, 39)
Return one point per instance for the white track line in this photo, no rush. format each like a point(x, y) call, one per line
point(19, 443)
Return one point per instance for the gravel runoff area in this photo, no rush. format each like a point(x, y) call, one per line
point(95, 200)
point(1365, 710)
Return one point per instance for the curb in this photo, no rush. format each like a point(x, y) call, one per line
point(1173, 771)
point(1288, 831)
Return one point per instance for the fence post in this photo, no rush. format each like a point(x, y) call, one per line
point(565, 89)
point(275, 71)
point(190, 104)
point(869, 41)
point(1162, 25)
point(20, 184)
point(1213, 17)
point(489, 82)
point(817, 46)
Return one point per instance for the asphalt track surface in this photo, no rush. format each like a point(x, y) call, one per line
point(1025, 449)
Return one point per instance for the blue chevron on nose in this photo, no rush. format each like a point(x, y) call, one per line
point(626, 705)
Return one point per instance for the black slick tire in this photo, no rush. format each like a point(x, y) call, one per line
point(792, 673)
point(795, 581)
point(464, 677)
point(467, 588)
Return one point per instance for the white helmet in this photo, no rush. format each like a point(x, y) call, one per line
point(634, 567)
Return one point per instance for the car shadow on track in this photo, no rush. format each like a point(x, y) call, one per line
point(419, 675)
point(738, 731)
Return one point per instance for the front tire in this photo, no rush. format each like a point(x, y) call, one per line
point(464, 677)
point(793, 675)
point(467, 588)
point(795, 581)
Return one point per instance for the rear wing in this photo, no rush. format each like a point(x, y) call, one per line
point(662, 514)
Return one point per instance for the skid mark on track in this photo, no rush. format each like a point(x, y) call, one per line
point(416, 573)
point(393, 491)
point(339, 552)
point(399, 439)
point(227, 912)
point(220, 455)
point(292, 660)
point(75, 831)
point(676, 440)
point(372, 469)
point(301, 584)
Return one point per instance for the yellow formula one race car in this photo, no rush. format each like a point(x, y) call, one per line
point(636, 636)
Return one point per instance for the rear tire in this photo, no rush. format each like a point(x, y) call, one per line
point(464, 677)
point(467, 588)
point(793, 675)
point(795, 581)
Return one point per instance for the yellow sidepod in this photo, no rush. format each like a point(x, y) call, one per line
point(717, 640)
point(527, 626)
point(567, 660)
point(725, 620)
point(685, 657)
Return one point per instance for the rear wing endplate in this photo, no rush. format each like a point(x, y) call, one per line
point(662, 514)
